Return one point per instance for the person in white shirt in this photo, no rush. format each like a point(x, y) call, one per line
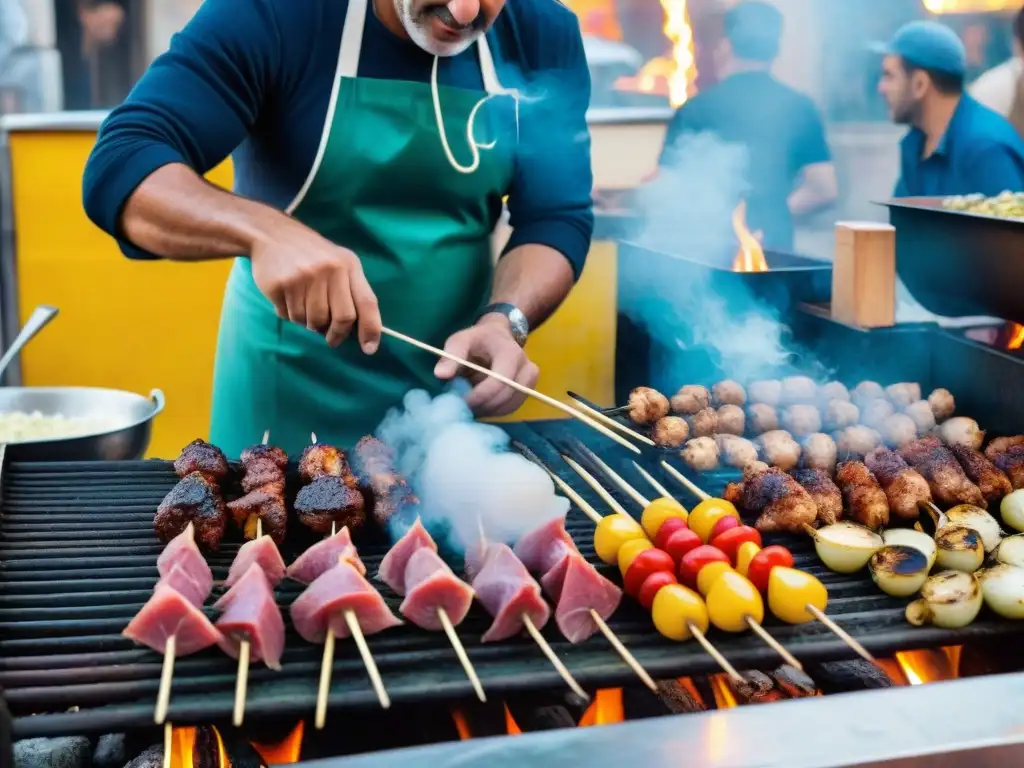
point(1002, 87)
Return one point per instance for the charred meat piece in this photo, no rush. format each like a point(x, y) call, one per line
point(948, 483)
point(200, 456)
point(329, 499)
point(1011, 461)
point(782, 502)
point(826, 495)
point(1003, 444)
point(389, 490)
point(864, 497)
point(320, 459)
point(263, 464)
point(904, 487)
point(991, 481)
point(756, 688)
point(195, 499)
point(266, 503)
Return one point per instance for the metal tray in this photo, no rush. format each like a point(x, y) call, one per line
point(957, 263)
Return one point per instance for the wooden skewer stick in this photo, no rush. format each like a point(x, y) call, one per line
point(569, 410)
point(368, 662)
point(553, 658)
point(774, 644)
point(714, 653)
point(841, 633)
point(575, 498)
point(684, 481)
point(325, 681)
point(168, 744)
point(603, 417)
point(629, 490)
point(460, 651)
point(623, 651)
point(589, 479)
point(163, 696)
point(661, 489)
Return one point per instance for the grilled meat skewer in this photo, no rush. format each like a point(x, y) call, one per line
point(194, 499)
point(1007, 453)
point(331, 497)
point(904, 487)
point(263, 481)
point(200, 456)
point(991, 481)
point(864, 497)
point(949, 485)
point(375, 463)
point(827, 497)
point(782, 502)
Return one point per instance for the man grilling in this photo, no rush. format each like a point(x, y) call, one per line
point(373, 142)
point(789, 165)
point(955, 146)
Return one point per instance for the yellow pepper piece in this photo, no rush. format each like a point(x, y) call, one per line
point(628, 552)
point(709, 574)
point(704, 516)
point(731, 600)
point(790, 592)
point(744, 555)
point(675, 608)
point(612, 532)
point(660, 510)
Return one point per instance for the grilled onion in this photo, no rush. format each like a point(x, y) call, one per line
point(910, 538)
point(1003, 589)
point(845, 547)
point(899, 570)
point(959, 548)
point(1012, 509)
point(1011, 550)
point(949, 599)
point(978, 519)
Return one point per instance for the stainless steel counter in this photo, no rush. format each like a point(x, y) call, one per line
point(971, 723)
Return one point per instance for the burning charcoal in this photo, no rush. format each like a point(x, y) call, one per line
point(677, 698)
point(794, 683)
point(530, 717)
point(66, 752)
point(989, 657)
point(756, 688)
point(846, 676)
point(241, 753)
point(111, 751)
point(153, 757)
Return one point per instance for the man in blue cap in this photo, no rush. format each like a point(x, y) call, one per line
point(789, 166)
point(955, 146)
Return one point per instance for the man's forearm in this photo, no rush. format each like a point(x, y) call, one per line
point(177, 214)
point(534, 278)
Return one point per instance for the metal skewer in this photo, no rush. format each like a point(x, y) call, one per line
point(569, 410)
point(603, 417)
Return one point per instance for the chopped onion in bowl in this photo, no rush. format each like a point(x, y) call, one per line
point(20, 427)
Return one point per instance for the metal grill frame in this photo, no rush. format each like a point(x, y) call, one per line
point(60, 645)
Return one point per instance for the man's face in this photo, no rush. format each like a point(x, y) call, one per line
point(447, 29)
point(902, 91)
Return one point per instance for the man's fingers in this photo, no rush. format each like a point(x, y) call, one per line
point(295, 299)
point(318, 308)
point(457, 345)
point(506, 360)
point(508, 399)
point(277, 298)
point(368, 312)
point(343, 311)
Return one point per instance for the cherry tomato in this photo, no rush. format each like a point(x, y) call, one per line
point(612, 532)
point(696, 559)
point(667, 528)
point(731, 600)
point(729, 541)
point(680, 543)
point(746, 552)
point(704, 516)
point(647, 562)
point(675, 608)
point(760, 567)
point(790, 592)
point(652, 585)
point(724, 524)
point(628, 552)
point(709, 575)
point(658, 511)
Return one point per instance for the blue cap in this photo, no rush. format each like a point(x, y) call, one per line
point(928, 45)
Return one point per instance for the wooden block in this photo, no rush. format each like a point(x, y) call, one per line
point(864, 275)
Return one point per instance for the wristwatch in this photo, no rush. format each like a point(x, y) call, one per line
point(516, 319)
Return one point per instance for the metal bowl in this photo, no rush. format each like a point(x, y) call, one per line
point(133, 414)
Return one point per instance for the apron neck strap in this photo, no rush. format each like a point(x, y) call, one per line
point(352, 44)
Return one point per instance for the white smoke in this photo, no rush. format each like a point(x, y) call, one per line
point(464, 474)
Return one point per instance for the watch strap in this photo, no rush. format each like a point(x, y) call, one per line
point(516, 318)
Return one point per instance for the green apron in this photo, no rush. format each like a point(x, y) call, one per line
point(382, 186)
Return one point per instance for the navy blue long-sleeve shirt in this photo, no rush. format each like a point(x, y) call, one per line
point(252, 79)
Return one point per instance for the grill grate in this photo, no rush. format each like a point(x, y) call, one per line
point(78, 560)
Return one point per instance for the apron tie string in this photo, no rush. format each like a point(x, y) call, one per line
point(474, 146)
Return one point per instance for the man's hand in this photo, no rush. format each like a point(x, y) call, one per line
point(490, 343)
point(315, 283)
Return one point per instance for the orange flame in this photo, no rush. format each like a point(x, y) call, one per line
point(750, 254)
point(465, 733)
point(286, 752)
point(929, 666)
point(605, 709)
point(1016, 336)
point(724, 697)
point(671, 76)
point(510, 723)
